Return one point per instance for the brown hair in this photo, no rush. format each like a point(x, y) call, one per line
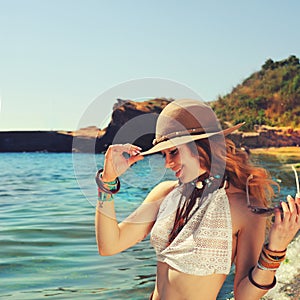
point(237, 169)
point(237, 166)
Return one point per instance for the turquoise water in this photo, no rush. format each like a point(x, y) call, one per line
point(47, 240)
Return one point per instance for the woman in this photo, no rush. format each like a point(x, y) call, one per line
point(201, 223)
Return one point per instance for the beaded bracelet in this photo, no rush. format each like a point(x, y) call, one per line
point(106, 190)
point(104, 197)
point(112, 187)
point(262, 287)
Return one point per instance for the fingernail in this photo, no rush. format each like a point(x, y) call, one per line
point(289, 197)
point(136, 152)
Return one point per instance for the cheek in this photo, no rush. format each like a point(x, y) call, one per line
point(193, 162)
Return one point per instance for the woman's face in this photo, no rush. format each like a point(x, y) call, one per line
point(181, 160)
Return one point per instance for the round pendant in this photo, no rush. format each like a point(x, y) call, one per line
point(199, 185)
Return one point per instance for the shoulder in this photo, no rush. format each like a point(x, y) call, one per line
point(160, 191)
point(242, 218)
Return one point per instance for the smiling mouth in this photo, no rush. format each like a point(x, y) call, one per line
point(178, 172)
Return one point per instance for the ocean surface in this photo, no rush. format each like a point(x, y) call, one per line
point(47, 237)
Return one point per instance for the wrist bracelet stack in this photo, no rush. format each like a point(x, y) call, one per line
point(106, 190)
point(268, 261)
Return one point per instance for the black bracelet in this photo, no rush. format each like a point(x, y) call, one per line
point(262, 287)
point(101, 184)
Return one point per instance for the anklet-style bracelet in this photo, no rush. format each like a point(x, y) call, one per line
point(262, 287)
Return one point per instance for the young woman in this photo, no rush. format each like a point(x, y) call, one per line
point(208, 219)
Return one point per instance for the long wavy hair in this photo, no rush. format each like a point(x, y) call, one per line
point(235, 167)
point(238, 167)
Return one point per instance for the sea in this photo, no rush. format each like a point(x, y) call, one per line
point(47, 236)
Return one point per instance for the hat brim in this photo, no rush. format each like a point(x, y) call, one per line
point(176, 141)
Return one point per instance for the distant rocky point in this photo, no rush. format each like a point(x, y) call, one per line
point(131, 122)
point(35, 141)
point(92, 139)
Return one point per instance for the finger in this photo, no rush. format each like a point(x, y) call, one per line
point(298, 209)
point(297, 201)
point(292, 205)
point(286, 211)
point(293, 208)
point(278, 215)
point(297, 204)
point(119, 149)
point(134, 159)
point(132, 149)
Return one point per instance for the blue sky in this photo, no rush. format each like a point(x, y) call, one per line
point(58, 56)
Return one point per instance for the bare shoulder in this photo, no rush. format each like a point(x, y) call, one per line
point(237, 198)
point(242, 217)
point(160, 191)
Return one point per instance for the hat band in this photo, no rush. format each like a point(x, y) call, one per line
point(180, 133)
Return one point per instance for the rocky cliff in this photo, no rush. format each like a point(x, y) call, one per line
point(131, 122)
point(140, 130)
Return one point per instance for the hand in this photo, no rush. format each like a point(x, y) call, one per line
point(116, 163)
point(285, 226)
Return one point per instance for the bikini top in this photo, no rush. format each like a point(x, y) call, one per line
point(204, 245)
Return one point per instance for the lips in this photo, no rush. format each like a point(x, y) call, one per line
point(178, 172)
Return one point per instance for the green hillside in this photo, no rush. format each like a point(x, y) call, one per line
point(270, 96)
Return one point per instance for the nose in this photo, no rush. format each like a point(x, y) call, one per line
point(169, 163)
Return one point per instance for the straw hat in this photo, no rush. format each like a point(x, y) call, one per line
point(183, 121)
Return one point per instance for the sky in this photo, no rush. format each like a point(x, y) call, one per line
point(57, 57)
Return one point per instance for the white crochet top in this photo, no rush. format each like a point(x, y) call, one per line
point(204, 245)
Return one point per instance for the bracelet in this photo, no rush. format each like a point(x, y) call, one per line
point(274, 255)
point(267, 262)
point(270, 260)
point(112, 187)
point(275, 258)
point(262, 287)
point(261, 267)
point(104, 197)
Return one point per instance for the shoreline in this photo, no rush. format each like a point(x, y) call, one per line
point(277, 151)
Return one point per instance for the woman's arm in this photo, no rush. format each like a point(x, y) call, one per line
point(249, 246)
point(112, 237)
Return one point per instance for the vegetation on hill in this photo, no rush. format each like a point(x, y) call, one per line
point(270, 96)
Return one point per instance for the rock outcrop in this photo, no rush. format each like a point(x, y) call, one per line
point(131, 122)
point(35, 141)
point(266, 136)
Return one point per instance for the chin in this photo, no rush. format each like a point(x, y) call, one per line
point(184, 179)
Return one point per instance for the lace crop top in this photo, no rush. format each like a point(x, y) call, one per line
point(204, 245)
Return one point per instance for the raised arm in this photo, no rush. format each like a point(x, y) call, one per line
point(112, 237)
point(255, 274)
